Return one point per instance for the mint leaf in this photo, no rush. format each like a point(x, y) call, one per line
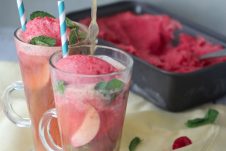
point(209, 118)
point(76, 36)
point(100, 86)
point(40, 14)
point(212, 115)
point(43, 40)
point(60, 87)
point(110, 89)
point(73, 37)
point(133, 144)
point(70, 24)
point(114, 85)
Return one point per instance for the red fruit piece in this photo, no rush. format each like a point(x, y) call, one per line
point(181, 142)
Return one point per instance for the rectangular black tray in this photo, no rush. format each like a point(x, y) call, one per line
point(170, 91)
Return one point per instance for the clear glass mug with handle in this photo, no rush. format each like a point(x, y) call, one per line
point(90, 115)
point(34, 67)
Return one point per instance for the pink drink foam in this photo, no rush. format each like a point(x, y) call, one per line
point(88, 119)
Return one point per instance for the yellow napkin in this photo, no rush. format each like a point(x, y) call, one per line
point(157, 128)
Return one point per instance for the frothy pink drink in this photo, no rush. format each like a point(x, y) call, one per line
point(87, 118)
point(34, 57)
point(91, 95)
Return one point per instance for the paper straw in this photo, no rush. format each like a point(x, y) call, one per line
point(63, 27)
point(20, 6)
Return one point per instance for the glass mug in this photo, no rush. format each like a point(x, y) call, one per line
point(89, 118)
point(34, 66)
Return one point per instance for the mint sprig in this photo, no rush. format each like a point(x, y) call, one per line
point(76, 36)
point(209, 118)
point(73, 37)
point(43, 40)
point(60, 87)
point(110, 89)
point(134, 143)
point(40, 14)
point(70, 24)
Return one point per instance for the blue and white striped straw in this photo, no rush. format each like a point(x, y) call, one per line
point(63, 27)
point(20, 6)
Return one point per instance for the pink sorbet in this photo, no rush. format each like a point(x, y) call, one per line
point(45, 26)
point(149, 37)
point(84, 64)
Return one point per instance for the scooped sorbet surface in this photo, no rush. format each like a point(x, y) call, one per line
point(84, 64)
point(149, 37)
point(43, 26)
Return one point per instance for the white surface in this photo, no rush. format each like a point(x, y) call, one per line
point(12, 138)
point(157, 129)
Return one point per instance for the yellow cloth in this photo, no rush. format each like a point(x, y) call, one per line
point(157, 128)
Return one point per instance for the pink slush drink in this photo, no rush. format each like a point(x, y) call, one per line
point(33, 57)
point(91, 96)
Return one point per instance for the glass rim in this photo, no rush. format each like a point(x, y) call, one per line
point(28, 44)
point(128, 67)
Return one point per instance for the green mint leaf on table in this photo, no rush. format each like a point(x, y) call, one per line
point(40, 14)
point(43, 40)
point(70, 24)
point(60, 87)
point(209, 118)
point(110, 89)
point(133, 144)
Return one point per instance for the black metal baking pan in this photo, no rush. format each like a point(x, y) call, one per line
point(170, 91)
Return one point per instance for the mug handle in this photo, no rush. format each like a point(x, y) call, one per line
point(8, 105)
point(44, 128)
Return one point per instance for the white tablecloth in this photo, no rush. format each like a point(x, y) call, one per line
point(157, 128)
